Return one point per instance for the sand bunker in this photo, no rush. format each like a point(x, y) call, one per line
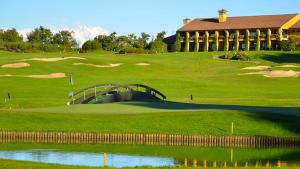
point(257, 68)
point(276, 73)
point(288, 66)
point(16, 65)
point(48, 76)
point(101, 66)
point(142, 64)
point(53, 59)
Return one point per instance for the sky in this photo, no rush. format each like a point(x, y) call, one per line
point(88, 18)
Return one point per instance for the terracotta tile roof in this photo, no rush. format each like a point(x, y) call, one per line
point(296, 26)
point(242, 22)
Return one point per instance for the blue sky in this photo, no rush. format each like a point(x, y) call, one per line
point(129, 16)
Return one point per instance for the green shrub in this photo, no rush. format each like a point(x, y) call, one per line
point(286, 46)
point(236, 56)
point(91, 45)
point(34, 47)
point(129, 49)
point(159, 46)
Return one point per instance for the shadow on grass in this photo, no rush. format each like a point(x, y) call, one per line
point(283, 58)
point(169, 105)
point(287, 117)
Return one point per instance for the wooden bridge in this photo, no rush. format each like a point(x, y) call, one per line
point(106, 93)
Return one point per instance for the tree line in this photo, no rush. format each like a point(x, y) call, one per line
point(40, 39)
point(43, 39)
point(127, 43)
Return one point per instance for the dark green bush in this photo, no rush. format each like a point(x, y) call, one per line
point(34, 47)
point(159, 46)
point(287, 46)
point(236, 56)
point(129, 49)
point(91, 45)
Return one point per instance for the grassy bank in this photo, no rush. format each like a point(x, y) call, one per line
point(7, 164)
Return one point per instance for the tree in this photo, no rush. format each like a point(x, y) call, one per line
point(1, 36)
point(142, 41)
point(177, 44)
point(91, 45)
point(122, 41)
point(286, 46)
point(294, 40)
point(10, 35)
point(40, 35)
point(64, 38)
point(158, 46)
point(108, 42)
point(131, 39)
point(161, 35)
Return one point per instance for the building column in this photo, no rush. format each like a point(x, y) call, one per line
point(196, 47)
point(237, 40)
point(247, 48)
point(206, 42)
point(269, 41)
point(280, 34)
point(187, 42)
point(257, 40)
point(226, 40)
point(216, 41)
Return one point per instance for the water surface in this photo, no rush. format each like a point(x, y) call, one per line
point(85, 158)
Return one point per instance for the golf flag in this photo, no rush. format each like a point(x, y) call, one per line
point(71, 78)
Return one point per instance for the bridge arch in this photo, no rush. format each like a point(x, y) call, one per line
point(115, 93)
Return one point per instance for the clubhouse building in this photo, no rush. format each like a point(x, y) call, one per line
point(235, 33)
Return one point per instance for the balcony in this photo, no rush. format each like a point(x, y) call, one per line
point(274, 36)
point(221, 38)
point(263, 37)
point(212, 38)
point(201, 38)
point(252, 37)
point(242, 37)
point(231, 37)
point(193, 38)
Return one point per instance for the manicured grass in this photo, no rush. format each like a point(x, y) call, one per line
point(257, 105)
point(8, 164)
point(206, 122)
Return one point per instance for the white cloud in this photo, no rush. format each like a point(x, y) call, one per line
point(81, 33)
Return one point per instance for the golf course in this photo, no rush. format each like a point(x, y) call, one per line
point(222, 92)
point(261, 97)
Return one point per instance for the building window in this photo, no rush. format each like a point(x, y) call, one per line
point(252, 33)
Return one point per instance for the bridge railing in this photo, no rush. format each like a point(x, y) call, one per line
point(93, 91)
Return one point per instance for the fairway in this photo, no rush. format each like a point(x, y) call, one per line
point(222, 94)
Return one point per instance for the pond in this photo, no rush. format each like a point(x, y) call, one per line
point(138, 155)
point(85, 158)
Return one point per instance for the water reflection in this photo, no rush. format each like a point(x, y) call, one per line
point(85, 159)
